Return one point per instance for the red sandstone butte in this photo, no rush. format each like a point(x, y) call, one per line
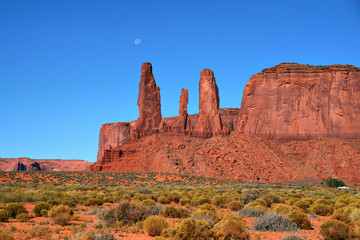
point(209, 123)
point(300, 101)
point(149, 104)
point(296, 123)
point(27, 164)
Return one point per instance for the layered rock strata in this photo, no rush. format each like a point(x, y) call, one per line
point(297, 101)
point(27, 164)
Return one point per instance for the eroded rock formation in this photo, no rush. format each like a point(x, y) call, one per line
point(149, 104)
point(281, 105)
point(27, 164)
point(300, 102)
point(209, 123)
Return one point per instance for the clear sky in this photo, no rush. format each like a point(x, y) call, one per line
point(66, 67)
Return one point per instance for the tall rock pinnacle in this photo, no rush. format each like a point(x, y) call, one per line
point(148, 102)
point(209, 123)
point(183, 124)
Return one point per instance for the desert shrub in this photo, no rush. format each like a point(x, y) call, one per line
point(266, 201)
point(23, 217)
point(39, 206)
point(321, 209)
point(61, 214)
point(355, 215)
point(323, 201)
point(5, 235)
point(275, 198)
point(148, 202)
point(68, 202)
point(124, 211)
point(174, 212)
point(235, 205)
point(231, 227)
point(60, 209)
point(333, 183)
point(293, 237)
point(184, 201)
point(154, 225)
point(14, 209)
point(341, 217)
point(300, 219)
point(218, 200)
point(207, 212)
point(174, 196)
point(163, 200)
point(345, 210)
point(155, 209)
point(256, 204)
point(4, 215)
point(251, 212)
point(303, 204)
point(200, 200)
point(341, 202)
point(190, 229)
point(250, 195)
point(108, 199)
point(334, 229)
point(274, 222)
point(93, 202)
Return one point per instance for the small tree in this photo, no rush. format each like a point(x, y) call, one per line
point(333, 182)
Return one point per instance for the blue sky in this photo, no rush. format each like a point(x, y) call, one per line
point(66, 67)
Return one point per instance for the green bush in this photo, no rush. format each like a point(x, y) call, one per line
point(218, 200)
point(174, 212)
point(190, 229)
point(200, 200)
point(23, 217)
point(14, 209)
point(39, 206)
point(300, 219)
point(321, 209)
point(235, 205)
point(303, 204)
point(333, 183)
point(163, 200)
point(93, 202)
point(4, 215)
point(148, 202)
point(274, 222)
point(154, 225)
point(231, 227)
point(293, 237)
point(61, 214)
point(334, 229)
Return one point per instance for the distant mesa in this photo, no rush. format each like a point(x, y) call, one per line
point(285, 111)
point(27, 164)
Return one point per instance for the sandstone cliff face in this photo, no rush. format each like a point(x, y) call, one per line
point(149, 104)
point(300, 102)
point(27, 164)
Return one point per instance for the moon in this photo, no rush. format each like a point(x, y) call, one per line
point(137, 41)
